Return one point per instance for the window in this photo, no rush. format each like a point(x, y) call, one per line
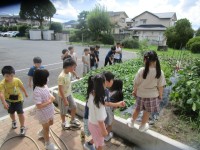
point(123, 20)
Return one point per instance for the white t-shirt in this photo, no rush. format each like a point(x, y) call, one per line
point(86, 59)
point(148, 88)
point(96, 114)
point(73, 56)
point(117, 55)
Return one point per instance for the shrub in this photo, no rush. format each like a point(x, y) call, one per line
point(191, 41)
point(10, 28)
point(107, 39)
point(1, 28)
point(130, 43)
point(195, 47)
point(14, 28)
point(5, 29)
point(56, 26)
point(23, 29)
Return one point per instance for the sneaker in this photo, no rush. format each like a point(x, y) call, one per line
point(144, 128)
point(22, 130)
point(65, 126)
point(88, 146)
point(75, 123)
point(108, 137)
point(14, 124)
point(51, 146)
point(41, 134)
point(130, 122)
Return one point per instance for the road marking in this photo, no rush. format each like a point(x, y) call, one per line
point(20, 70)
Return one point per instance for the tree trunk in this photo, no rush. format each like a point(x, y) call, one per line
point(41, 29)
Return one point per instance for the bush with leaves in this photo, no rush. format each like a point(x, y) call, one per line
point(131, 43)
point(186, 93)
point(191, 41)
point(23, 29)
point(107, 39)
point(195, 47)
point(56, 26)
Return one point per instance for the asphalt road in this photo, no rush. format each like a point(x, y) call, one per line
point(19, 54)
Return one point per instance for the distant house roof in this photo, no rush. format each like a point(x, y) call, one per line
point(129, 20)
point(112, 13)
point(166, 15)
point(149, 27)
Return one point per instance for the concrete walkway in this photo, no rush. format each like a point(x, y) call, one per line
point(71, 138)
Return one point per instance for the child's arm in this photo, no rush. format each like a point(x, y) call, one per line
point(102, 126)
point(160, 89)
point(61, 90)
point(118, 104)
point(2, 98)
point(30, 81)
point(42, 105)
point(23, 89)
point(75, 74)
point(134, 91)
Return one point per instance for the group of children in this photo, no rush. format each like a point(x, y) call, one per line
point(104, 94)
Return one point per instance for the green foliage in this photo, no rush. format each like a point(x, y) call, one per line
point(23, 29)
point(121, 72)
point(56, 26)
point(4, 29)
point(14, 28)
point(191, 41)
point(131, 43)
point(37, 10)
point(178, 35)
point(186, 93)
point(198, 32)
point(195, 47)
point(1, 28)
point(107, 39)
point(98, 21)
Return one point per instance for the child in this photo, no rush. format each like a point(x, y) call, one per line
point(148, 89)
point(11, 96)
point(109, 56)
point(86, 61)
point(65, 54)
point(45, 109)
point(97, 112)
point(66, 100)
point(121, 46)
point(96, 52)
point(93, 59)
point(115, 92)
point(72, 53)
point(37, 65)
point(117, 56)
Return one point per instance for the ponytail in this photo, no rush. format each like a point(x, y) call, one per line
point(90, 86)
point(99, 91)
point(146, 69)
point(158, 68)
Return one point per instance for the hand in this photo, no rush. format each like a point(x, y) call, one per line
point(66, 103)
point(134, 93)
point(78, 77)
point(160, 97)
point(122, 104)
point(52, 98)
point(6, 106)
point(26, 95)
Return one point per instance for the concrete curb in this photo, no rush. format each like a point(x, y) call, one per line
point(149, 140)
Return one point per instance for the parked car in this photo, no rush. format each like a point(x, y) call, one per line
point(14, 34)
point(5, 34)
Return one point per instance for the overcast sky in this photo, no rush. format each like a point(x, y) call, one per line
point(69, 9)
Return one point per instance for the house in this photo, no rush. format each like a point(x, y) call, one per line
point(151, 26)
point(118, 20)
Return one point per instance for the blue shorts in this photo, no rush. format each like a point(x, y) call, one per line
point(15, 107)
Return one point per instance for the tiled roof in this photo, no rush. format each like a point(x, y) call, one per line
point(165, 15)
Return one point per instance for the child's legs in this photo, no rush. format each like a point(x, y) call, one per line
point(145, 117)
point(46, 132)
point(135, 114)
point(12, 116)
point(72, 106)
point(109, 128)
point(20, 112)
point(63, 109)
point(21, 119)
point(138, 107)
point(50, 122)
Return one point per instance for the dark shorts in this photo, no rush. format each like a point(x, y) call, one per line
point(15, 107)
point(148, 104)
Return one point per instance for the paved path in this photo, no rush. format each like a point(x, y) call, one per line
point(19, 54)
point(71, 138)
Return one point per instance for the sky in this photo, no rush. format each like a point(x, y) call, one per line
point(69, 9)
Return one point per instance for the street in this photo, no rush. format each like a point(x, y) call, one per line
point(19, 54)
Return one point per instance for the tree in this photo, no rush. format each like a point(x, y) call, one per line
point(198, 32)
point(56, 26)
point(98, 21)
point(82, 20)
point(37, 10)
point(179, 35)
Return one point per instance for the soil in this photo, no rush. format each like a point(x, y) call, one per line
point(178, 129)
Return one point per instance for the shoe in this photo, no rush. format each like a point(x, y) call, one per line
point(22, 130)
point(41, 134)
point(75, 123)
point(51, 146)
point(87, 146)
point(130, 122)
point(14, 124)
point(108, 137)
point(144, 128)
point(65, 126)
